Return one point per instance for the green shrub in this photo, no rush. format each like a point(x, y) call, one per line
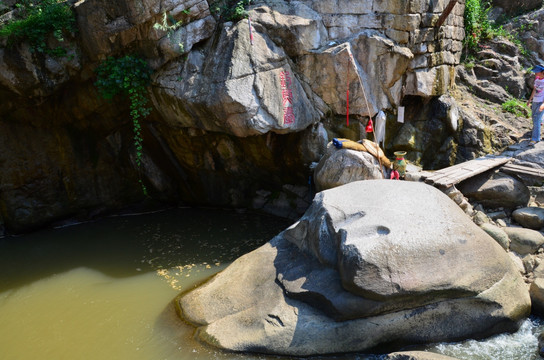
point(516, 107)
point(469, 62)
point(128, 76)
point(231, 10)
point(170, 29)
point(239, 12)
point(37, 20)
point(477, 25)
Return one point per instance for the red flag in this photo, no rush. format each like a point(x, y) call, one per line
point(369, 127)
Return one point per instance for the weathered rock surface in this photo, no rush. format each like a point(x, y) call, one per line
point(495, 190)
point(497, 73)
point(524, 241)
point(342, 166)
point(55, 166)
point(529, 217)
point(498, 234)
point(536, 291)
point(537, 296)
point(526, 251)
point(242, 96)
point(363, 267)
point(513, 8)
point(532, 158)
point(531, 37)
point(453, 193)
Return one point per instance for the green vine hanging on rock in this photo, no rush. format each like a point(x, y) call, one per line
point(129, 76)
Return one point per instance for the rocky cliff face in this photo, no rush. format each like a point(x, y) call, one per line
point(238, 106)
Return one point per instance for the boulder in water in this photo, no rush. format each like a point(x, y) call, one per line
point(370, 263)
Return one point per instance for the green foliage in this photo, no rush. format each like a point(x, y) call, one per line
point(239, 12)
point(128, 76)
point(164, 26)
point(36, 20)
point(469, 62)
point(232, 10)
point(477, 25)
point(512, 36)
point(516, 107)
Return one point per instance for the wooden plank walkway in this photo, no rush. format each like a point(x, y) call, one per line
point(455, 174)
point(523, 170)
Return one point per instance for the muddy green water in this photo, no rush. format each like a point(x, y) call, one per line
point(104, 290)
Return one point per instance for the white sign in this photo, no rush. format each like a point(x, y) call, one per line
point(400, 115)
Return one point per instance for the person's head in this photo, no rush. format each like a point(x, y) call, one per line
point(539, 71)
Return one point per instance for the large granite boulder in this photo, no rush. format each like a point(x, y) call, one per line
point(342, 166)
point(529, 217)
point(524, 241)
point(495, 189)
point(370, 263)
point(238, 87)
point(374, 76)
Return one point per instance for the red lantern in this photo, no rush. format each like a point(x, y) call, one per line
point(369, 127)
